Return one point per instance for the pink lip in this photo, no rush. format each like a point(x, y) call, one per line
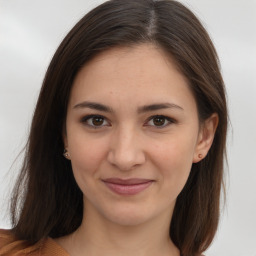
point(127, 187)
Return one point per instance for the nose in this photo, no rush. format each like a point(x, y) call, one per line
point(126, 151)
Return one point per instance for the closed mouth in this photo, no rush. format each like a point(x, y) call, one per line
point(127, 186)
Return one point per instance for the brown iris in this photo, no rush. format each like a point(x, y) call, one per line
point(159, 121)
point(97, 121)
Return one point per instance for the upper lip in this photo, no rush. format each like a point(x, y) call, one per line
point(132, 181)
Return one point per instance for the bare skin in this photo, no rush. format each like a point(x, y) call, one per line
point(131, 116)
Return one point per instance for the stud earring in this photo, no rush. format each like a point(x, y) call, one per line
point(200, 155)
point(65, 153)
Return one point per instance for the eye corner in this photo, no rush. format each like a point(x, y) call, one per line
point(164, 121)
point(88, 121)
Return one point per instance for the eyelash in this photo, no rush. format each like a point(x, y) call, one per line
point(85, 120)
point(167, 122)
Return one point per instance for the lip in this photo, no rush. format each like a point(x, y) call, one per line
point(127, 186)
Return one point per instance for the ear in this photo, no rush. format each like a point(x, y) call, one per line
point(66, 153)
point(205, 137)
point(64, 137)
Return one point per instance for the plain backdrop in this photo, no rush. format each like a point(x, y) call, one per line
point(30, 32)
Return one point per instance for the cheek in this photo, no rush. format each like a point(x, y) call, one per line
point(87, 154)
point(175, 151)
point(173, 159)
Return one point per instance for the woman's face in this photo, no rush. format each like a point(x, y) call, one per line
point(132, 133)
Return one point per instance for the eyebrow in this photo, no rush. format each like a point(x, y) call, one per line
point(158, 106)
point(142, 109)
point(94, 105)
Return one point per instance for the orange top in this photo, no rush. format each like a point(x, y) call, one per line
point(10, 246)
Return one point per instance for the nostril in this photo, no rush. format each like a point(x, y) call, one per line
point(126, 161)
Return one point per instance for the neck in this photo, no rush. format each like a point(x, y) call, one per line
point(97, 235)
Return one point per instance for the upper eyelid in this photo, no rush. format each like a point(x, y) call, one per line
point(171, 119)
point(149, 118)
point(87, 117)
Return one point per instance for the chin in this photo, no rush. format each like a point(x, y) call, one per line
point(131, 219)
point(130, 215)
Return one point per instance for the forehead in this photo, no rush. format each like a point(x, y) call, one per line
point(139, 74)
point(140, 61)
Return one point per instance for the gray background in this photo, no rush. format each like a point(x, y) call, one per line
point(30, 32)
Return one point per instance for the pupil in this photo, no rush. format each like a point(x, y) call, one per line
point(159, 121)
point(97, 121)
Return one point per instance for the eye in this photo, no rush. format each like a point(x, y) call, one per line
point(95, 121)
point(160, 121)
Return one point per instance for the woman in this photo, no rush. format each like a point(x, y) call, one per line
point(126, 149)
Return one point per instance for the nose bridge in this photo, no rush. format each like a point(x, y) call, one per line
point(126, 149)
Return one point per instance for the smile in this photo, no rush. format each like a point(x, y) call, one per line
point(127, 187)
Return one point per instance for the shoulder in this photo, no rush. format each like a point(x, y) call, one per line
point(9, 245)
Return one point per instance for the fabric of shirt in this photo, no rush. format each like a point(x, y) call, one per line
point(9, 246)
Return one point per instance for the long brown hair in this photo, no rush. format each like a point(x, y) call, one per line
point(46, 199)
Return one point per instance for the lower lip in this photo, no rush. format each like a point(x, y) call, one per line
point(131, 189)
